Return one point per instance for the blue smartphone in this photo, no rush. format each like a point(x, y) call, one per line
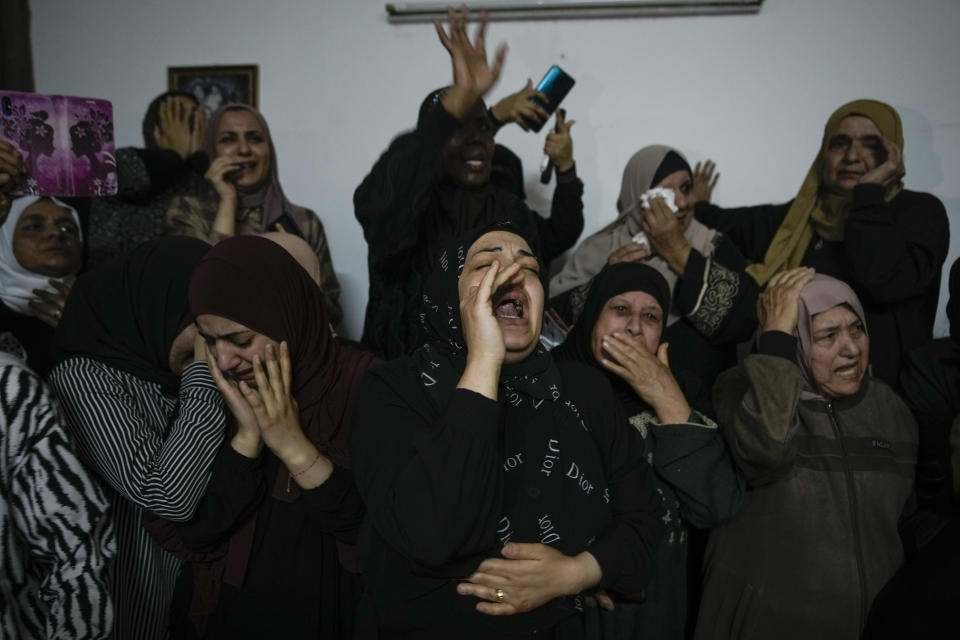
point(556, 84)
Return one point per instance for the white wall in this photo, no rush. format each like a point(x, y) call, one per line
point(337, 82)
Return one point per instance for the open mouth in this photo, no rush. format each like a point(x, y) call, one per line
point(510, 305)
point(850, 372)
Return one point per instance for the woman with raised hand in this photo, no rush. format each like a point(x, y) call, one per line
point(828, 452)
point(501, 485)
point(852, 219)
point(710, 308)
point(246, 196)
point(620, 333)
point(272, 542)
point(143, 410)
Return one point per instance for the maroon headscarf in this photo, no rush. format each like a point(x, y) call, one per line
point(270, 194)
point(254, 281)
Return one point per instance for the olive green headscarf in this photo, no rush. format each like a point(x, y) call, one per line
point(823, 213)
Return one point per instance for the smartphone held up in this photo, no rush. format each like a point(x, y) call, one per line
point(66, 143)
point(556, 84)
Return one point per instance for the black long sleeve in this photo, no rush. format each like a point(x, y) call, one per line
point(433, 490)
point(235, 490)
point(561, 230)
point(393, 197)
point(895, 250)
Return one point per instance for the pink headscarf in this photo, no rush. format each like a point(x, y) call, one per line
point(821, 294)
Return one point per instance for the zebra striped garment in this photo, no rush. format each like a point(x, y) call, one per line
point(155, 453)
point(55, 533)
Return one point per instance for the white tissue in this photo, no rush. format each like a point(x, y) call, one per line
point(658, 192)
point(641, 238)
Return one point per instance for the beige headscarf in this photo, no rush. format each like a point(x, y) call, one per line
point(302, 252)
point(591, 256)
point(825, 214)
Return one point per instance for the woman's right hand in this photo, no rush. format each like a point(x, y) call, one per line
point(481, 331)
point(630, 252)
point(217, 176)
point(648, 374)
point(473, 76)
point(778, 304)
point(172, 130)
point(247, 441)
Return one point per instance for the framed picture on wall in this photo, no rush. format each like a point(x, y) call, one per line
point(216, 85)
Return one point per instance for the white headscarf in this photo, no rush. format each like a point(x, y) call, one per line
point(16, 283)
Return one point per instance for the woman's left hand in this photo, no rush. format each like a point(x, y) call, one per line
point(528, 575)
point(888, 171)
point(665, 233)
point(272, 403)
point(48, 305)
point(648, 374)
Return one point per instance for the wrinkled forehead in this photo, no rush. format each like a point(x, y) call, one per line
point(839, 315)
point(503, 241)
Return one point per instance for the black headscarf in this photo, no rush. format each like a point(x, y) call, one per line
point(128, 312)
point(612, 280)
point(671, 163)
point(152, 117)
point(440, 313)
point(535, 414)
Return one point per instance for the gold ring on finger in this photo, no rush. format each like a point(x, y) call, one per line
point(500, 595)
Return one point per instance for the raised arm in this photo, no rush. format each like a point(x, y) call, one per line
point(159, 462)
point(561, 230)
point(757, 402)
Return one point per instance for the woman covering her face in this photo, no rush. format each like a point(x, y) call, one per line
point(500, 485)
point(171, 163)
point(40, 255)
point(246, 196)
point(829, 455)
point(710, 307)
point(853, 220)
point(272, 541)
point(143, 410)
point(619, 332)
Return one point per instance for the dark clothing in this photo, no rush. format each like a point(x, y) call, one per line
point(922, 600)
point(273, 559)
point(694, 474)
point(438, 482)
point(294, 585)
point(828, 482)
point(128, 315)
point(408, 212)
point(716, 301)
point(148, 179)
point(892, 257)
point(34, 335)
point(931, 388)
